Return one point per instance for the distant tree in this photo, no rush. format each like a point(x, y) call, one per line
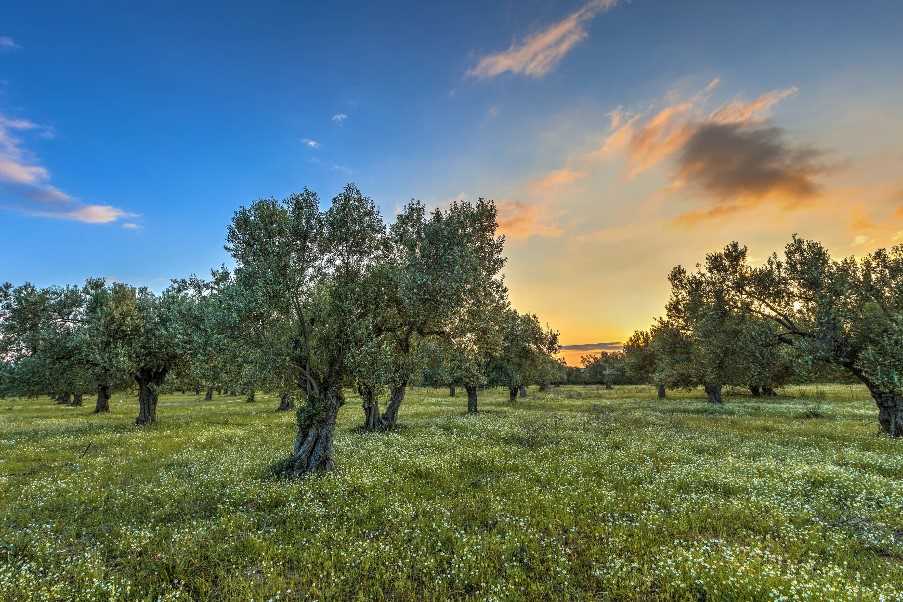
point(640, 360)
point(605, 368)
point(521, 357)
point(308, 273)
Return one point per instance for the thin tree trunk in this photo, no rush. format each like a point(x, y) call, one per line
point(714, 393)
point(396, 396)
point(77, 400)
point(522, 390)
point(209, 394)
point(285, 403)
point(370, 404)
point(452, 391)
point(512, 394)
point(103, 399)
point(471, 399)
point(661, 392)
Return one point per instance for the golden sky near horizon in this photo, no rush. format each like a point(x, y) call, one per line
point(592, 237)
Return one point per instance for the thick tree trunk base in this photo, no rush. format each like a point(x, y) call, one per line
point(662, 394)
point(512, 394)
point(103, 400)
point(543, 387)
point(452, 391)
point(522, 391)
point(250, 397)
point(756, 390)
point(285, 403)
point(149, 382)
point(713, 392)
point(471, 399)
point(77, 400)
point(890, 412)
point(208, 396)
point(313, 449)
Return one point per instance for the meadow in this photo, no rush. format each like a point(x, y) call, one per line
point(578, 493)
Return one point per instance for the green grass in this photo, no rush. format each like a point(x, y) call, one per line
point(579, 494)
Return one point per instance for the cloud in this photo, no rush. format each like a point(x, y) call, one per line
point(25, 183)
point(8, 42)
point(339, 118)
point(517, 219)
point(729, 153)
point(131, 226)
point(541, 52)
point(310, 142)
point(612, 346)
point(556, 179)
point(734, 162)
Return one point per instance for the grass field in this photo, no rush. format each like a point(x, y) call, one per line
point(578, 494)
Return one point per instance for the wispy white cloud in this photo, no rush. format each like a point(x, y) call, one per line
point(310, 142)
point(541, 52)
point(25, 183)
point(131, 226)
point(339, 118)
point(8, 42)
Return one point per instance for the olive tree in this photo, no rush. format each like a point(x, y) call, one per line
point(308, 273)
point(848, 312)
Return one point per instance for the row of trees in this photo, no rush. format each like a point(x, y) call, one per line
point(319, 302)
point(728, 322)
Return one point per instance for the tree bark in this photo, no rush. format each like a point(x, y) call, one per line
point(396, 396)
point(471, 399)
point(77, 400)
point(103, 399)
point(522, 391)
point(285, 403)
point(768, 391)
point(251, 398)
point(370, 404)
point(661, 392)
point(64, 398)
point(197, 390)
point(452, 391)
point(543, 387)
point(209, 394)
point(313, 449)
point(890, 409)
point(149, 381)
point(512, 394)
point(756, 390)
point(714, 393)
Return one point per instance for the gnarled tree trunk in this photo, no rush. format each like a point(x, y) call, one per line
point(756, 390)
point(522, 390)
point(209, 394)
point(769, 391)
point(452, 391)
point(250, 397)
point(714, 393)
point(149, 381)
point(471, 398)
point(661, 391)
point(543, 387)
point(512, 394)
point(286, 403)
point(77, 400)
point(197, 390)
point(396, 396)
point(313, 449)
point(64, 399)
point(103, 399)
point(890, 409)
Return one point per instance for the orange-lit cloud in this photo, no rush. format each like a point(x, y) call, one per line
point(518, 220)
point(541, 52)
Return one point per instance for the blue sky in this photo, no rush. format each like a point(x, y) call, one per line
point(159, 119)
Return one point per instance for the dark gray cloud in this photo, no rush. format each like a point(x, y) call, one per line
point(746, 163)
point(612, 346)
